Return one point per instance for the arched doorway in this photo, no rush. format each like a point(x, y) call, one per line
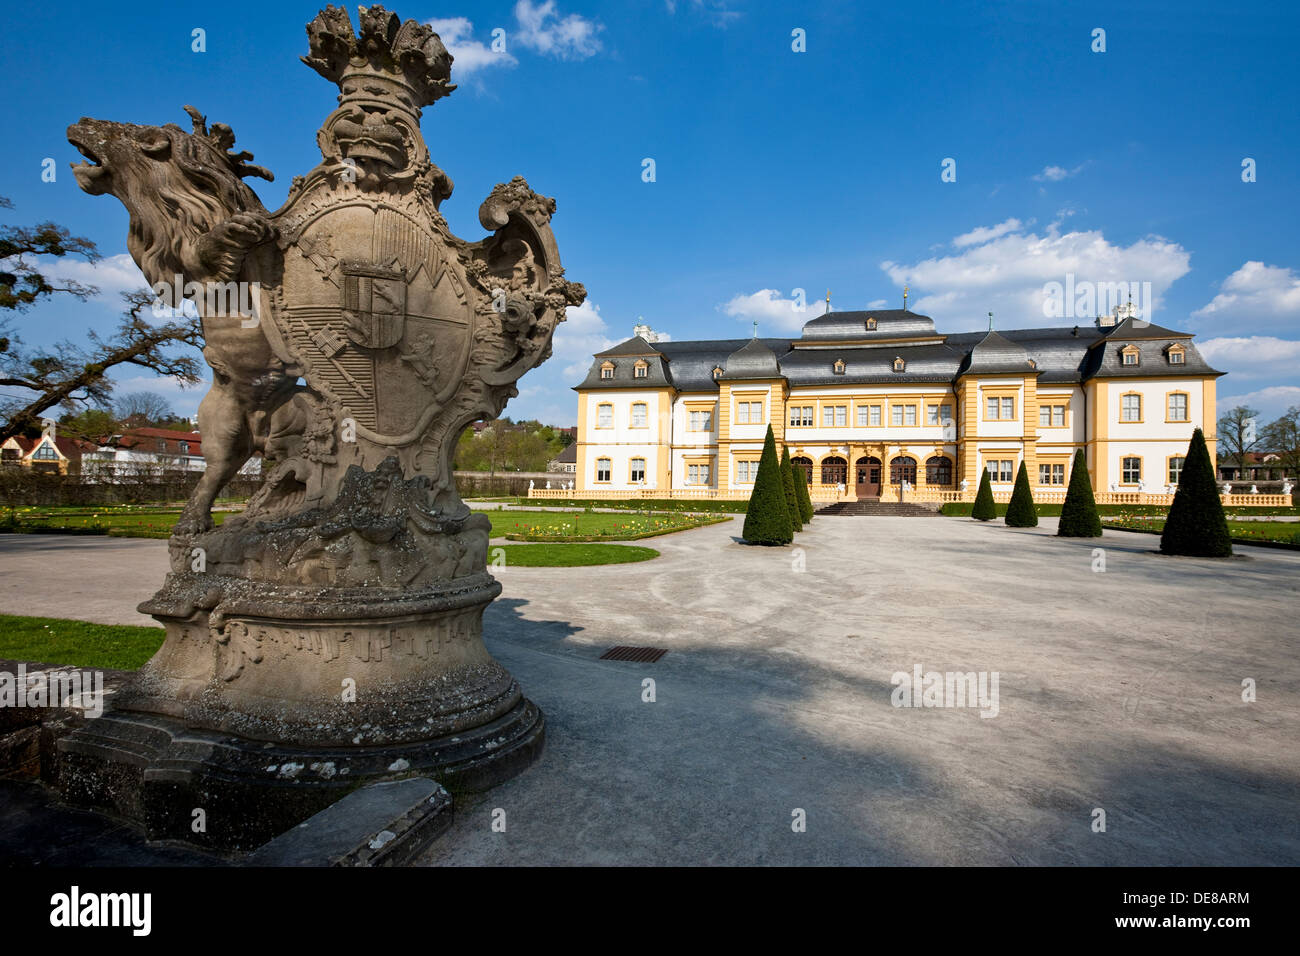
point(835, 471)
point(806, 464)
point(868, 477)
point(901, 469)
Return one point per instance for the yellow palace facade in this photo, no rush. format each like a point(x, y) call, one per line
point(880, 405)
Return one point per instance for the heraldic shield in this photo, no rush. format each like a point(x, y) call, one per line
point(378, 314)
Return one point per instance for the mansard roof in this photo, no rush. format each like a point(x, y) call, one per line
point(1056, 355)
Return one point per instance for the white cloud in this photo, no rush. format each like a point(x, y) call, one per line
point(877, 303)
point(1254, 356)
point(1270, 402)
point(982, 234)
point(1256, 293)
point(112, 275)
point(539, 27)
point(767, 307)
point(457, 34)
point(581, 335)
point(1007, 275)
point(1054, 174)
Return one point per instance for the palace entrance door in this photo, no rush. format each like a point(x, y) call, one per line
point(868, 477)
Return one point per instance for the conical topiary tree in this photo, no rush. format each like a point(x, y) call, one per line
point(791, 499)
point(1079, 512)
point(801, 492)
point(985, 509)
point(767, 519)
point(1021, 512)
point(1195, 524)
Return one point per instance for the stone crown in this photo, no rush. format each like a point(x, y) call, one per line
point(387, 60)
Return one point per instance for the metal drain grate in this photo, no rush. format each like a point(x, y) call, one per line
point(645, 655)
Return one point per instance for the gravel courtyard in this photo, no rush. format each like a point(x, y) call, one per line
point(1119, 690)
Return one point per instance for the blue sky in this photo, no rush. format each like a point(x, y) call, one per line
point(775, 170)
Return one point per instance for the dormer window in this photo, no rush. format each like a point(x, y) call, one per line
point(899, 364)
point(839, 366)
point(640, 370)
point(607, 370)
point(1176, 354)
point(871, 324)
point(717, 372)
point(1129, 355)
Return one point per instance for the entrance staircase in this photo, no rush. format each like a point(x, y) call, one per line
point(873, 506)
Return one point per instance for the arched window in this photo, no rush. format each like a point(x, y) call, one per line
point(805, 464)
point(938, 470)
point(902, 469)
point(835, 471)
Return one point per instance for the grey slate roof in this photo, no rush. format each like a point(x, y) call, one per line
point(1060, 355)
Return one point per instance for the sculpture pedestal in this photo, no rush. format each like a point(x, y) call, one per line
point(262, 719)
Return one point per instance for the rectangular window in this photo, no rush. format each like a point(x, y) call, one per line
point(863, 413)
point(909, 414)
point(835, 416)
point(1175, 358)
point(1131, 408)
point(746, 471)
point(1000, 469)
point(1130, 358)
point(1051, 416)
point(801, 416)
point(1132, 471)
point(603, 470)
point(1178, 407)
point(605, 416)
point(606, 373)
point(638, 470)
point(640, 371)
point(639, 415)
point(1051, 474)
point(1008, 407)
point(749, 413)
point(1176, 469)
point(896, 415)
point(697, 474)
point(932, 414)
point(874, 418)
point(701, 421)
point(1000, 408)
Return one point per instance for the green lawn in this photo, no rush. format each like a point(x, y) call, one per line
point(582, 525)
point(963, 508)
point(566, 555)
point(128, 521)
point(1281, 532)
point(51, 640)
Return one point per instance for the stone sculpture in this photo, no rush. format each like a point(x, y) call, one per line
point(343, 609)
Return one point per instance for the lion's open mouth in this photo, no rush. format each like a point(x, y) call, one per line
point(90, 175)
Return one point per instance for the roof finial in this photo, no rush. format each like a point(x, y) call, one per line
point(904, 298)
point(828, 300)
point(755, 328)
point(990, 321)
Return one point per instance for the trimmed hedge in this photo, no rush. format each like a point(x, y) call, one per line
point(767, 520)
point(1079, 517)
point(1196, 525)
point(984, 509)
point(801, 491)
point(1020, 509)
point(791, 499)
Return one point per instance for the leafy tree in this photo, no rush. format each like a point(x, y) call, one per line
point(767, 520)
point(22, 283)
point(69, 375)
point(985, 509)
point(90, 424)
point(1196, 524)
point(791, 498)
point(1021, 512)
point(1079, 512)
point(1238, 437)
point(801, 491)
